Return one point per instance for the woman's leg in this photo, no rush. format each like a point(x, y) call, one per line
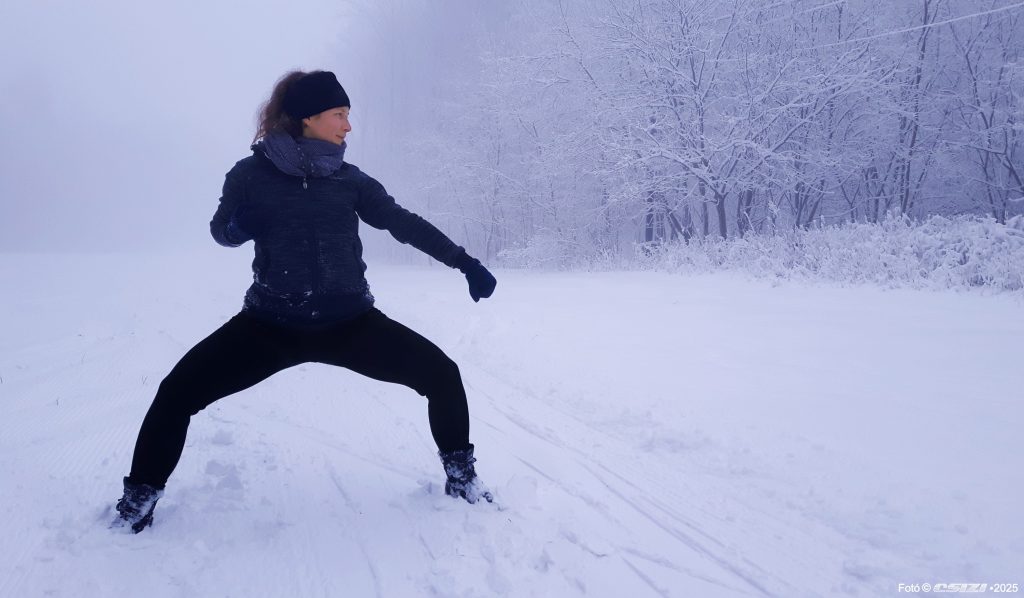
point(236, 356)
point(381, 348)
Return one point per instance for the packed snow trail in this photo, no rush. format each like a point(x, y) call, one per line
point(645, 435)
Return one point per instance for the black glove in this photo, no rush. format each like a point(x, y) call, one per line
point(243, 223)
point(481, 281)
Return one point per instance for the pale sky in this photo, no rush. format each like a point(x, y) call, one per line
point(120, 118)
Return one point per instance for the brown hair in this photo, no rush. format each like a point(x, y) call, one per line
point(272, 115)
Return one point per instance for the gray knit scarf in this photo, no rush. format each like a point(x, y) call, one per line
point(303, 156)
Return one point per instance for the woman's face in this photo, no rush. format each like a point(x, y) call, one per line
point(330, 125)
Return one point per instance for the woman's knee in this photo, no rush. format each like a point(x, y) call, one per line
point(180, 396)
point(443, 375)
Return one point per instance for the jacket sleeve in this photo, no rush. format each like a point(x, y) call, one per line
point(378, 209)
point(222, 227)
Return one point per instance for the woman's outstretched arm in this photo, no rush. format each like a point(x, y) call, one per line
point(378, 209)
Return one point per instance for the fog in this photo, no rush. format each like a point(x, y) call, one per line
point(120, 119)
point(530, 132)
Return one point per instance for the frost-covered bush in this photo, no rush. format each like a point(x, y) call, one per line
point(940, 252)
point(549, 250)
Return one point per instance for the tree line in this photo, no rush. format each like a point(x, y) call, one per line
point(583, 126)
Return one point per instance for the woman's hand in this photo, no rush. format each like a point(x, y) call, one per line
point(243, 224)
point(481, 281)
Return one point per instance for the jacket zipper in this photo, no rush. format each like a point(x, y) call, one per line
point(316, 263)
point(315, 245)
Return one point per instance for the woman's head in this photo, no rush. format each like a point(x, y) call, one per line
point(306, 104)
point(330, 125)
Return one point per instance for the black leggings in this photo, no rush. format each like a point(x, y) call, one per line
point(245, 351)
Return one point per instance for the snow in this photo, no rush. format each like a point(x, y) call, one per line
point(646, 434)
point(938, 253)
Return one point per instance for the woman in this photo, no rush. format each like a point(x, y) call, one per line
point(300, 204)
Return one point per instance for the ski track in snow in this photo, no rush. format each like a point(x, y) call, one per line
point(318, 482)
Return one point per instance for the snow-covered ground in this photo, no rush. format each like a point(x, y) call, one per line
point(646, 435)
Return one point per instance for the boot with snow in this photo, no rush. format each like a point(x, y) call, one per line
point(135, 509)
point(462, 481)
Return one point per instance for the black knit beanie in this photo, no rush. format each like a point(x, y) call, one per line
point(313, 94)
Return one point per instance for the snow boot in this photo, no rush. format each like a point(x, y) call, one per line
point(135, 509)
point(462, 481)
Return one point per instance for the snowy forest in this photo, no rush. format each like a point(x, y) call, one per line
point(568, 132)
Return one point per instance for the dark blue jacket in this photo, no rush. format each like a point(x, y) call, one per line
point(308, 265)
